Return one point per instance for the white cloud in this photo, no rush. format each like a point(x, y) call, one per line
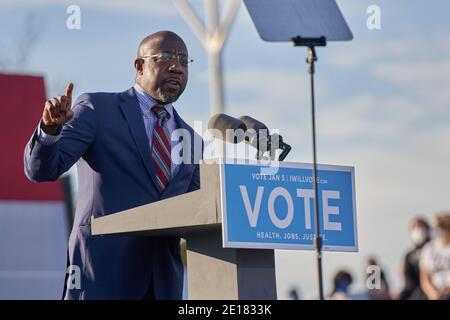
point(413, 94)
point(278, 97)
point(425, 77)
point(369, 117)
point(364, 52)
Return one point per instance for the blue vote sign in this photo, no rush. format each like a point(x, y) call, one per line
point(272, 206)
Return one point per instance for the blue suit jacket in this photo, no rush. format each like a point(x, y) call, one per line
point(107, 140)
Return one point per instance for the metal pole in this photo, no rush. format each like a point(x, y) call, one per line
point(216, 85)
point(214, 57)
point(213, 37)
point(311, 59)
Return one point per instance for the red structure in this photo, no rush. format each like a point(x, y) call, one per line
point(33, 218)
point(22, 103)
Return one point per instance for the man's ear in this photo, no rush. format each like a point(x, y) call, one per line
point(139, 66)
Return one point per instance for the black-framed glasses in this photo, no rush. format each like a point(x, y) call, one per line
point(166, 57)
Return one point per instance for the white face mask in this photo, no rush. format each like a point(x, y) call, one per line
point(418, 236)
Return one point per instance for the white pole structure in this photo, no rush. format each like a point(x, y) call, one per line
point(213, 37)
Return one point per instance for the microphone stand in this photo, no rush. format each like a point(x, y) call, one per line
point(311, 43)
point(271, 147)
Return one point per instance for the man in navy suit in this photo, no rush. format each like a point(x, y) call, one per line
point(120, 143)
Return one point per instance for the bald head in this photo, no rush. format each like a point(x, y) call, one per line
point(158, 68)
point(155, 39)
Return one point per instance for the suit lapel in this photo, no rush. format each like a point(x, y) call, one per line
point(133, 115)
point(130, 108)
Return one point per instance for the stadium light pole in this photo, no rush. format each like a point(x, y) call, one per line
point(212, 36)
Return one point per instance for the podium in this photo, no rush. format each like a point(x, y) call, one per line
point(214, 272)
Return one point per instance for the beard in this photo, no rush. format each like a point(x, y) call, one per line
point(166, 96)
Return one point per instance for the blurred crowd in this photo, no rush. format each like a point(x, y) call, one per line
point(425, 271)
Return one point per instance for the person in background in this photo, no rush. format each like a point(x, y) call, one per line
point(342, 281)
point(294, 294)
point(381, 292)
point(435, 261)
point(420, 235)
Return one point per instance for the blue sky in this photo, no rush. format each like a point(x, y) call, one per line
point(383, 101)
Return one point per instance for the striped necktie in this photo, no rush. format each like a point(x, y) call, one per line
point(161, 147)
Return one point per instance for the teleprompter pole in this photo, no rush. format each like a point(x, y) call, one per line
point(310, 43)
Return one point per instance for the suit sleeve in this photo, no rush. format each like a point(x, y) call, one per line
point(47, 162)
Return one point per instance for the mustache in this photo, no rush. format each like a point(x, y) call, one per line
point(175, 79)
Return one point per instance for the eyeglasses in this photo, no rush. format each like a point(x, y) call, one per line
point(166, 57)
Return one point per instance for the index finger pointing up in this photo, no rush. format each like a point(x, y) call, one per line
point(68, 91)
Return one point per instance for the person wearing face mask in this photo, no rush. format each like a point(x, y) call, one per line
point(435, 261)
point(420, 235)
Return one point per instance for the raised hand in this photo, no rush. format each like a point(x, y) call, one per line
point(57, 111)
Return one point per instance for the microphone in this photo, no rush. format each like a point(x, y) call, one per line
point(232, 130)
point(227, 128)
point(262, 141)
point(286, 148)
point(252, 123)
point(259, 134)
